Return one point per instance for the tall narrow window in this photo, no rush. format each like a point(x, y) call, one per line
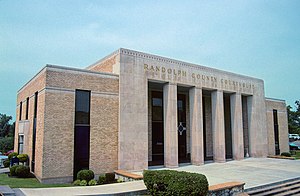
point(81, 131)
point(20, 144)
point(27, 108)
point(276, 132)
point(20, 115)
point(34, 130)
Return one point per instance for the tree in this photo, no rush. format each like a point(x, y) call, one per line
point(6, 133)
point(6, 144)
point(6, 128)
point(294, 118)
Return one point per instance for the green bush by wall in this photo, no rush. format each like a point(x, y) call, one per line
point(170, 182)
point(22, 157)
point(6, 163)
point(22, 171)
point(11, 155)
point(110, 178)
point(286, 154)
point(85, 175)
point(12, 170)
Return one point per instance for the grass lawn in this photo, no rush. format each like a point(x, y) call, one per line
point(26, 182)
point(297, 155)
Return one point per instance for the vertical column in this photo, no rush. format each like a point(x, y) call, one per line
point(170, 125)
point(196, 120)
point(218, 126)
point(237, 126)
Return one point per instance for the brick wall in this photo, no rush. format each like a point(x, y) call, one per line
point(37, 84)
point(106, 65)
point(55, 125)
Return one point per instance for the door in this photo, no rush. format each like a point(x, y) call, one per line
point(157, 129)
point(183, 156)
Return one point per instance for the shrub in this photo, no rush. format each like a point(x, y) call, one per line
point(11, 155)
point(76, 183)
point(119, 180)
point(83, 183)
point(6, 163)
point(12, 170)
point(169, 182)
point(110, 177)
point(92, 182)
point(101, 179)
point(22, 157)
point(286, 154)
point(22, 171)
point(85, 175)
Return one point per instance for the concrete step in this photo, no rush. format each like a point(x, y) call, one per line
point(6, 190)
point(276, 191)
point(291, 192)
point(277, 188)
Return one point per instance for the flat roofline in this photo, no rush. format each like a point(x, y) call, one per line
point(47, 66)
point(274, 99)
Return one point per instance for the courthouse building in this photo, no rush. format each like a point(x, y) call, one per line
point(133, 110)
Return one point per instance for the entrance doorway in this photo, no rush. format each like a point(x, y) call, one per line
point(157, 123)
point(228, 128)
point(183, 155)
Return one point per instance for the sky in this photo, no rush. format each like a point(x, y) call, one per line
point(258, 38)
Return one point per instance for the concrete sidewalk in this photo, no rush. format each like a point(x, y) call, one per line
point(253, 171)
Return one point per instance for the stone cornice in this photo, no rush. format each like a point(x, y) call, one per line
point(181, 63)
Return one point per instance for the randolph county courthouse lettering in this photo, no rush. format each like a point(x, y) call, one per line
point(132, 110)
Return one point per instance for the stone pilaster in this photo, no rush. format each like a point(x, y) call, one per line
point(170, 125)
point(196, 126)
point(218, 126)
point(237, 126)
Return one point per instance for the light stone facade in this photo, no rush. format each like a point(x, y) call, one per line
point(120, 114)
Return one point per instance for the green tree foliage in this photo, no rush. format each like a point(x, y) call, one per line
point(294, 118)
point(6, 144)
point(6, 133)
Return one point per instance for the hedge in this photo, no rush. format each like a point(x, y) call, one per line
point(286, 154)
point(22, 171)
point(170, 182)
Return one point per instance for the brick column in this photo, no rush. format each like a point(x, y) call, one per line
point(218, 126)
point(170, 125)
point(196, 126)
point(237, 126)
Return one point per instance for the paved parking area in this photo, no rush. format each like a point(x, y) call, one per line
point(252, 171)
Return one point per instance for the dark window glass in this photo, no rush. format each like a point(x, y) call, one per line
point(20, 115)
point(157, 129)
point(82, 107)
point(276, 132)
point(20, 144)
point(35, 104)
point(157, 106)
point(82, 131)
point(157, 102)
point(34, 130)
point(275, 117)
point(180, 105)
point(27, 107)
point(81, 148)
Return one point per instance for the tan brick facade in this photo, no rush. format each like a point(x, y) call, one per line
point(55, 122)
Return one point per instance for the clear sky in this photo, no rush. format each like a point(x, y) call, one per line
point(259, 38)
